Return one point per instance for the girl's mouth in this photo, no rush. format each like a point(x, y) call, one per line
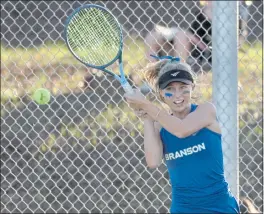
point(178, 102)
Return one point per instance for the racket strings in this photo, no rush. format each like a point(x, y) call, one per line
point(94, 36)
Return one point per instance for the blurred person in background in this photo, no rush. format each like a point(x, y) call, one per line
point(192, 44)
point(174, 41)
point(195, 44)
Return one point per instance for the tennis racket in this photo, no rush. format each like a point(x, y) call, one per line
point(94, 37)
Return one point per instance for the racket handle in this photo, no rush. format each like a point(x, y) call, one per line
point(127, 87)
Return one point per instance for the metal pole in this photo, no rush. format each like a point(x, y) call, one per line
point(225, 83)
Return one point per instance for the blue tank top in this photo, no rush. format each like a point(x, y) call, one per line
point(195, 167)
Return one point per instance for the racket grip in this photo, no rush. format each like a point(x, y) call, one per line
point(127, 87)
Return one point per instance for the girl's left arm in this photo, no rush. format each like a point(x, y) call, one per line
point(203, 116)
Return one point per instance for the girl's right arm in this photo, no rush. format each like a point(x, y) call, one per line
point(152, 143)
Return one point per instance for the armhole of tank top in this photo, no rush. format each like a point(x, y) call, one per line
point(194, 107)
point(157, 125)
point(217, 133)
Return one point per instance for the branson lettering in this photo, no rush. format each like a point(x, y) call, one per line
point(185, 152)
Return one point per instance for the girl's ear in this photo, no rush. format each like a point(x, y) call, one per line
point(193, 86)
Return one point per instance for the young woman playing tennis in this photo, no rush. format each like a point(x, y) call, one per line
point(189, 138)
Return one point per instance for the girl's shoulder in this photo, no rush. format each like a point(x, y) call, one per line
point(206, 108)
point(206, 105)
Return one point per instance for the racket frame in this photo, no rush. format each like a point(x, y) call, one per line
point(120, 78)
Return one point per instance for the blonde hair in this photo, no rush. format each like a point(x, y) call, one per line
point(154, 71)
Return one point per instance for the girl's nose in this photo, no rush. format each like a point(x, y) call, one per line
point(177, 93)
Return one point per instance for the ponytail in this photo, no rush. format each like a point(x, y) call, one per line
point(152, 71)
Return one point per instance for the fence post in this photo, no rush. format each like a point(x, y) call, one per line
point(225, 83)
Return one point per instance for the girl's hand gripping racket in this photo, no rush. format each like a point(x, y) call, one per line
point(95, 38)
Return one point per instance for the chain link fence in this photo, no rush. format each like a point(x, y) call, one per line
point(83, 152)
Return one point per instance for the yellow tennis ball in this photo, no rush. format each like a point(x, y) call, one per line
point(41, 96)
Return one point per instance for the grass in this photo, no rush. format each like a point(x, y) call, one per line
point(50, 66)
point(53, 67)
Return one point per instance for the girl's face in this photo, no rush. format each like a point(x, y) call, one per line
point(177, 96)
